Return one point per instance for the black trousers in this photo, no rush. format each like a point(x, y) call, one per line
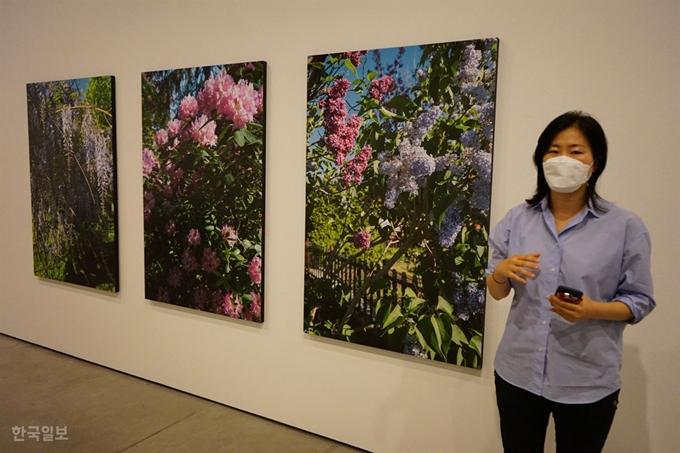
point(579, 428)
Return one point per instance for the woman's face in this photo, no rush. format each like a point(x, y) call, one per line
point(571, 143)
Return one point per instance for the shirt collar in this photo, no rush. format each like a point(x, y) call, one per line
point(543, 205)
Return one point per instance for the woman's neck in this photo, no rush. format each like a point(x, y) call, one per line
point(565, 206)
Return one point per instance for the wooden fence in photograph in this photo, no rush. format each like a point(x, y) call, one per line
point(321, 263)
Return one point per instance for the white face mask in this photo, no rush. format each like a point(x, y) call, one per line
point(565, 174)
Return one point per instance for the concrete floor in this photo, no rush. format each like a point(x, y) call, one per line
point(107, 411)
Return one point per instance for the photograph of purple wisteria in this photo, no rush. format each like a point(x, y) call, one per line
point(71, 144)
point(399, 158)
point(203, 165)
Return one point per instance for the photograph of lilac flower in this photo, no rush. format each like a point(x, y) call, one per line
point(203, 167)
point(399, 154)
point(71, 142)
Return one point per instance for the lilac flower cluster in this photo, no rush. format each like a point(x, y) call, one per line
point(354, 57)
point(481, 184)
point(468, 300)
point(451, 225)
point(354, 169)
point(408, 170)
point(411, 346)
point(468, 70)
point(380, 87)
point(362, 240)
point(418, 129)
point(338, 135)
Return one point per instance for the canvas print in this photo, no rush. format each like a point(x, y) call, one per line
point(399, 152)
point(71, 139)
point(203, 166)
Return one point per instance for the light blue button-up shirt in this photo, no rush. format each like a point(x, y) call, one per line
point(605, 255)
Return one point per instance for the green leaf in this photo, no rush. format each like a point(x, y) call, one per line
point(347, 331)
point(457, 335)
point(436, 334)
point(249, 137)
point(445, 306)
point(239, 137)
point(414, 302)
point(395, 318)
point(371, 75)
point(210, 228)
point(351, 67)
point(476, 344)
point(459, 357)
point(387, 113)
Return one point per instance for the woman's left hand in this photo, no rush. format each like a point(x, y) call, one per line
point(572, 312)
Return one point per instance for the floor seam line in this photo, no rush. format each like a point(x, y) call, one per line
point(166, 427)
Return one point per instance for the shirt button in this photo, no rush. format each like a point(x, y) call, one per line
point(552, 269)
point(544, 322)
point(540, 349)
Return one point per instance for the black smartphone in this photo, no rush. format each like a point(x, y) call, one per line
point(568, 294)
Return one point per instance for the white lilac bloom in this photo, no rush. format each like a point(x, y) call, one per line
point(409, 168)
point(468, 70)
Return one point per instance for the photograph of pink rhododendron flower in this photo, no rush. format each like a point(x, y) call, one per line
point(71, 144)
point(203, 167)
point(399, 153)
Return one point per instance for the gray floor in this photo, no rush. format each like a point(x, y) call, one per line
point(107, 411)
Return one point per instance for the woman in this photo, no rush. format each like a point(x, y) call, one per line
point(558, 357)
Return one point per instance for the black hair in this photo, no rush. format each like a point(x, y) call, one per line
point(593, 132)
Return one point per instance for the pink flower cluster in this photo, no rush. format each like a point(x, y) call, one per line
point(339, 136)
point(194, 237)
point(255, 310)
point(232, 306)
point(362, 240)
point(175, 277)
point(189, 261)
point(379, 87)
point(149, 162)
point(354, 169)
point(255, 270)
point(203, 131)
point(239, 102)
point(354, 57)
point(210, 261)
point(229, 235)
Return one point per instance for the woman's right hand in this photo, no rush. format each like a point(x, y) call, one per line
point(518, 266)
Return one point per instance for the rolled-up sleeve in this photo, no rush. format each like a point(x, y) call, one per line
point(636, 288)
point(498, 242)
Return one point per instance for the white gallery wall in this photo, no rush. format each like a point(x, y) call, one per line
point(618, 60)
